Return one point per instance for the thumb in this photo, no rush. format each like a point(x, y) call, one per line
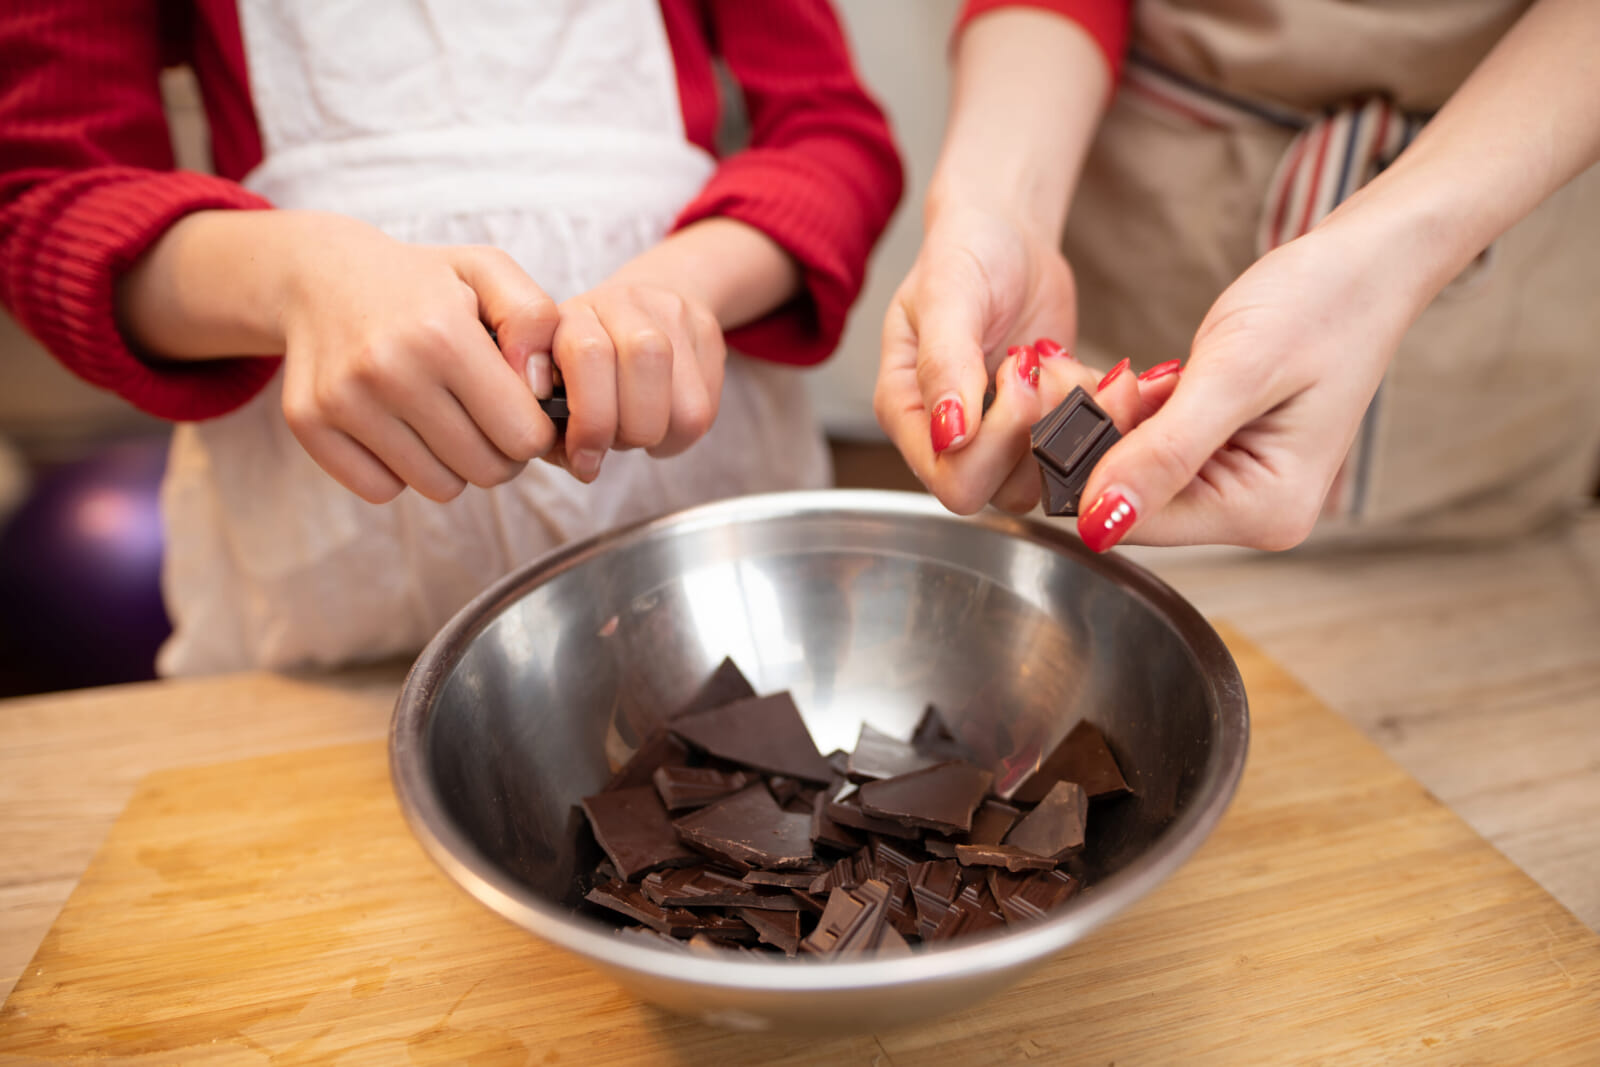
point(947, 316)
point(521, 314)
point(1158, 458)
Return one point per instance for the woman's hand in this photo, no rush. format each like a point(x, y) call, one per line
point(391, 378)
point(643, 368)
point(982, 284)
point(1279, 377)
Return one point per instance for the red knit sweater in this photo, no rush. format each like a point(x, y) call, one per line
point(87, 180)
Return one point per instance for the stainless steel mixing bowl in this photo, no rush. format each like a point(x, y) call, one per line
point(866, 606)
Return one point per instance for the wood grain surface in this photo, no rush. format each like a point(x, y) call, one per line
point(277, 910)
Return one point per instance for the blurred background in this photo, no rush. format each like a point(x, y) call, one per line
point(80, 537)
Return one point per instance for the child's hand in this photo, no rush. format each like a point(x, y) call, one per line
point(391, 378)
point(642, 365)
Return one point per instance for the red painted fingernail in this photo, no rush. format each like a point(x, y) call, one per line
point(1049, 349)
point(1027, 364)
point(1105, 523)
point(1161, 370)
point(1118, 369)
point(949, 424)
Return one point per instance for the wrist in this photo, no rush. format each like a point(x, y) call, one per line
point(733, 270)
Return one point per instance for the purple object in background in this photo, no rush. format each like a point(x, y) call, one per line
point(80, 573)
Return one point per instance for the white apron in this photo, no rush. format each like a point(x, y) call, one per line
point(549, 129)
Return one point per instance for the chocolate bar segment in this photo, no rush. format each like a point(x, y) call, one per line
point(1083, 757)
point(766, 733)
point(1068, 443)
point(682, 788)
point(878, 755)
point(942, 797)
point(632, 827)
point(749, 830)
point(1054, 829)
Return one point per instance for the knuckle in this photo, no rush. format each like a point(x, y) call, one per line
point(1285, 526)
point(695, 415)
point(650, 348)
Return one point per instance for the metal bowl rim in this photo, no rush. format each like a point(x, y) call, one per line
point(459, 858)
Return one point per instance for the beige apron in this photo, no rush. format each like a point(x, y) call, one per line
point(549, 129)
point(1489, 418)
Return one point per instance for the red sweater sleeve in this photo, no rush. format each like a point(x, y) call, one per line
point(1104, 20)
point(820, 176)
point(86, 185)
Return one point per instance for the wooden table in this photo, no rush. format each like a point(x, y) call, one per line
point(276, 910)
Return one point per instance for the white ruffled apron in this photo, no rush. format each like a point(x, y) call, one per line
point(551, 130)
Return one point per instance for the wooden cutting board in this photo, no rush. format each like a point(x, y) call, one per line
point(277, 910)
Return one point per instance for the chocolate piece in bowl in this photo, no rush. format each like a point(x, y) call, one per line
point(825, 831)
point(726, 685)
point(1010, 857)
point(749, 830)
point(1027, 898)
point(780, 929)
point(659, 750)
point(855, 921)
point(942, 797)
point(844, 808)
point(765, 733)
point(878, 755)
point(933, 737)
point(632, 827)
point(702, 887)
point(682, 788)
point(1054, 828)
point(1082, 757)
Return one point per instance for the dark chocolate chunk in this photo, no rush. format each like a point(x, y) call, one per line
point(726, 685)
point(839, 760)
point(809, 901)
point(877, 755)
point(846, 874)
point(1026, 898)
point(785, 789)
point(660, 749)
point(943, 848)
point(632, 827)
point(682, 788)
point(934, 737)
point(1068, 443)
point(844, 808)
point(702, 887)
point(1010, 857)
point(629, 900)
point(852, 922)
point(750, 830)
point(892, 859)
point(825, 831)
point(934, 888)
point(941, 797)
point(766, 733)
point(1082, 757)
point(974, 910)
point(1053, 829)
point(781, 929)
point(782, 879)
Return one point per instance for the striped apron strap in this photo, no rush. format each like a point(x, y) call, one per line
point(1333, 153)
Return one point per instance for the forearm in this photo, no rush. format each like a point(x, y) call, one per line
point(214, 286)
point(1029, 90)
point(736, 271)
point(1525, 123)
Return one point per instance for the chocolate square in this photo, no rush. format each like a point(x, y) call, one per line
point(1068, 443)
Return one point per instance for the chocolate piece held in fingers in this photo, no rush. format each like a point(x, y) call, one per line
point(1068, 442)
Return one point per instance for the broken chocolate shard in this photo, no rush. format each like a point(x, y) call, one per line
point(974, 910)
point(781, 879)
point(660, 749)
point(825, 831)
point(1010, 857)
point(1054, 828)
point(726, 685)
point(934, 887)
point(749, 830)
point(630, 901)
point(766, 733)
point(702, 887)
point(846, 874)
point(1027, 898)
point(878, 755)
point(632, 827)
point(891, 859)
point(852, 922)
point(780, 929)
point(844, 808)
point(1082, 757)
point(942, 797)
point(682, 788)
point(1068, 442)
point(933, 737)
point(990, 823)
